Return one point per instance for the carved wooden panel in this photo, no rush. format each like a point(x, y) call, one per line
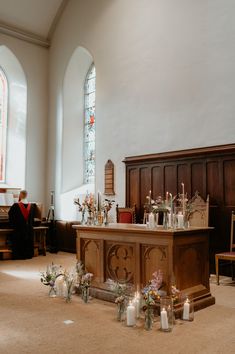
point(190, 260)
point(120, 261)
point(154, 258)
point(90, 256)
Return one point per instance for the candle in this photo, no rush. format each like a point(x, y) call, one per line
point(180, 220)
point(150, 198)
point(183, 203)
point(164, 319)
point(137, 304)
point(130, 315)
point(186, 310)
point(167, 197)
point(151, 221)
point(99, 201)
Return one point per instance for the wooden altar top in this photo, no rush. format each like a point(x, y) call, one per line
point(140, 229)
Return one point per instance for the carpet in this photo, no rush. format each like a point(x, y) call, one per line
point(31, 322)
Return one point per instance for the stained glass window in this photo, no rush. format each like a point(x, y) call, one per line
point(3, 123)
point(89, 128)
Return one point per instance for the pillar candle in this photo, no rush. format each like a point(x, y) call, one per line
point(99, 201)
point(183, 199)
point(130, 315)
point(186, 310)
point(164, 319)
point(151, 221)
point(137, 304)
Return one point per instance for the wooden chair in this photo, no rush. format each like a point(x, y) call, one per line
point(198, 211)
point(126, 215)
point(228, 256)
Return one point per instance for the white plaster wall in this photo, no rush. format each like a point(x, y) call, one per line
point(34, 62)
point(165, 77)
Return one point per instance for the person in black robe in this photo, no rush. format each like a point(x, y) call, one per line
point(21, 217)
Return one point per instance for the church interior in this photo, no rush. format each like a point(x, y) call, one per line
point(117, 176)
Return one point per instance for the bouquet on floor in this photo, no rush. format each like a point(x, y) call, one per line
point(122, 292)
point(85, 284)
point(49, 277)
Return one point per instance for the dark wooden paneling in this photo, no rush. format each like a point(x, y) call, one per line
point(133, 179)
point(197, 175)
point(212, 182)
point(145, 185)
point(157, 181)
point(170, 178)
point(229, 182)
point(183, 176)
point(206, 170)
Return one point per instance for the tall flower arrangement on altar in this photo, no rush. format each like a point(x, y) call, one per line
point(106, 206)
point(88, 205)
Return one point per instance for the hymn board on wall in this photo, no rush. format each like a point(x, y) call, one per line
point(109, 178)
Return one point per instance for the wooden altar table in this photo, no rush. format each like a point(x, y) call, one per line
point(134, 252)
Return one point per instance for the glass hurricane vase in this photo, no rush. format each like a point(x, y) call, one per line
point(52, 291)
point(121, 311)
point(148, 318)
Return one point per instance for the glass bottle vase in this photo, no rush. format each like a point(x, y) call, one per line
point(85, 294)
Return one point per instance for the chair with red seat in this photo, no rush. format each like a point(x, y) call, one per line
point(228, 256)
point(126, 215)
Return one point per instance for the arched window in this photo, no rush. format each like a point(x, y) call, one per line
point(89, 127)
point(3, 123)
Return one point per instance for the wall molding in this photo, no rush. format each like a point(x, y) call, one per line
point(31, 37)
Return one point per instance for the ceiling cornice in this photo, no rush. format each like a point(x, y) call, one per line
point(24, 35)
point(31, 37)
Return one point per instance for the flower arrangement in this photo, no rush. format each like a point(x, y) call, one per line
point(88, 203)
point(85, 285)
point(107, 204)
point(122, 292)
point(49, 277)
point(151, 296)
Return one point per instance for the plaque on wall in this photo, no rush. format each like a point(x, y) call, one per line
point(109, 178)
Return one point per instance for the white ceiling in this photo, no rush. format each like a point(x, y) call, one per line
point(33, 16)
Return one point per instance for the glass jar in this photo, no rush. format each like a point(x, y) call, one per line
point(187, 313)
point(166, 314)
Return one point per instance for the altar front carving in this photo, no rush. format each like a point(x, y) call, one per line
point(132, 253)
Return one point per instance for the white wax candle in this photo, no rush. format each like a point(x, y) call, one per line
point(130, 315)
point(164, 319)
point(186, 310)
point(150, 198)
point(137, 304)
point(180, 220)
point(151, 221)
